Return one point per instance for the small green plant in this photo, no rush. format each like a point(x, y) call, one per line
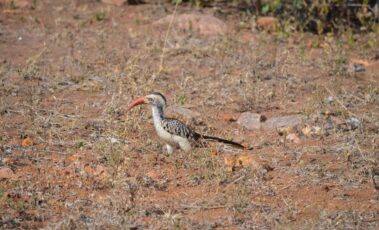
point(34, 5)
point(2, 192)
point(137, 21)
point(350, 37)
point(114, 158)
point(80, 144)
point(13, 5)
point(100, 16)
point(272, 6)
point(239, 198)
point(182, 100)
point(372, 41)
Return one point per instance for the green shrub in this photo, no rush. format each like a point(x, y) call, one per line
point(317, 16)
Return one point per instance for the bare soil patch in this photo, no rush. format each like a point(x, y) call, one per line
point(71, 157)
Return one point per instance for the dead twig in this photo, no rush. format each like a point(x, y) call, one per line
point(184, 206)
point(166, 38)
point(340, 102)
point(235, 181)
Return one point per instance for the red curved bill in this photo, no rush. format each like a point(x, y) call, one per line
point(136, 102)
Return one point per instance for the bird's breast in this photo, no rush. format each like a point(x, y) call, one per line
point(162, 133)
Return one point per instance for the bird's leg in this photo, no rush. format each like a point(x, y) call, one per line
point(185, 146)
point(169, 148)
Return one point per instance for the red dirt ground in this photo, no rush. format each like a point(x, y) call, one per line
point(67, 75)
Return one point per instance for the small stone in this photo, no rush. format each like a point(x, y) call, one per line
point(357, 68)
point(8, 151)
point(311, 131)
point(316, 130)
point(86, 219)
point(267, 23)
point(359, 61)
point(89, 170)
point(114, 140)
point(353, 122)
point(251, 121)
point(247, 160)
point(101, 171)
point(72, 158)
point(187, 113)
point(292, 137)
point(306, 130)
point(6, 173)
point(330, 99)
point(284, 131)
point(8, 160)
point(284, 121)
point(228, 118)
point(27, 142)
point(234, 163)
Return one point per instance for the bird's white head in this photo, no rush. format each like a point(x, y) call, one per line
point(156, 99)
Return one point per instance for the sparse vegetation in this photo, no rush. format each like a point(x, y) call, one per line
point(305, 15)
point(72, 157)
point(100, 16)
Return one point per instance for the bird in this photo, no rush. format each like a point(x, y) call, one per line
point(173, 132)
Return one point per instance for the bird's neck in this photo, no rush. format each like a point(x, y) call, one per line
point(158, 114)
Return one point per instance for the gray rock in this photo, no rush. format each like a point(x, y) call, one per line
point(187, 113)
point(357, 68)
point(284, 121)
point(6, 173)
point(251, 121)
point(353, 122)
point(330, 99)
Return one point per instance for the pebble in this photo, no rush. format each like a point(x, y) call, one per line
point(6, 173)
point(353, 122)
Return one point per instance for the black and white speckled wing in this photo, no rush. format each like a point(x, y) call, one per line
point(176, 127)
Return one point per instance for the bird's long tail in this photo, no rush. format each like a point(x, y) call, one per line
point(232, 143)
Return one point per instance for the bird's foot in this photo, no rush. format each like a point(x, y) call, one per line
point(170, 149)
